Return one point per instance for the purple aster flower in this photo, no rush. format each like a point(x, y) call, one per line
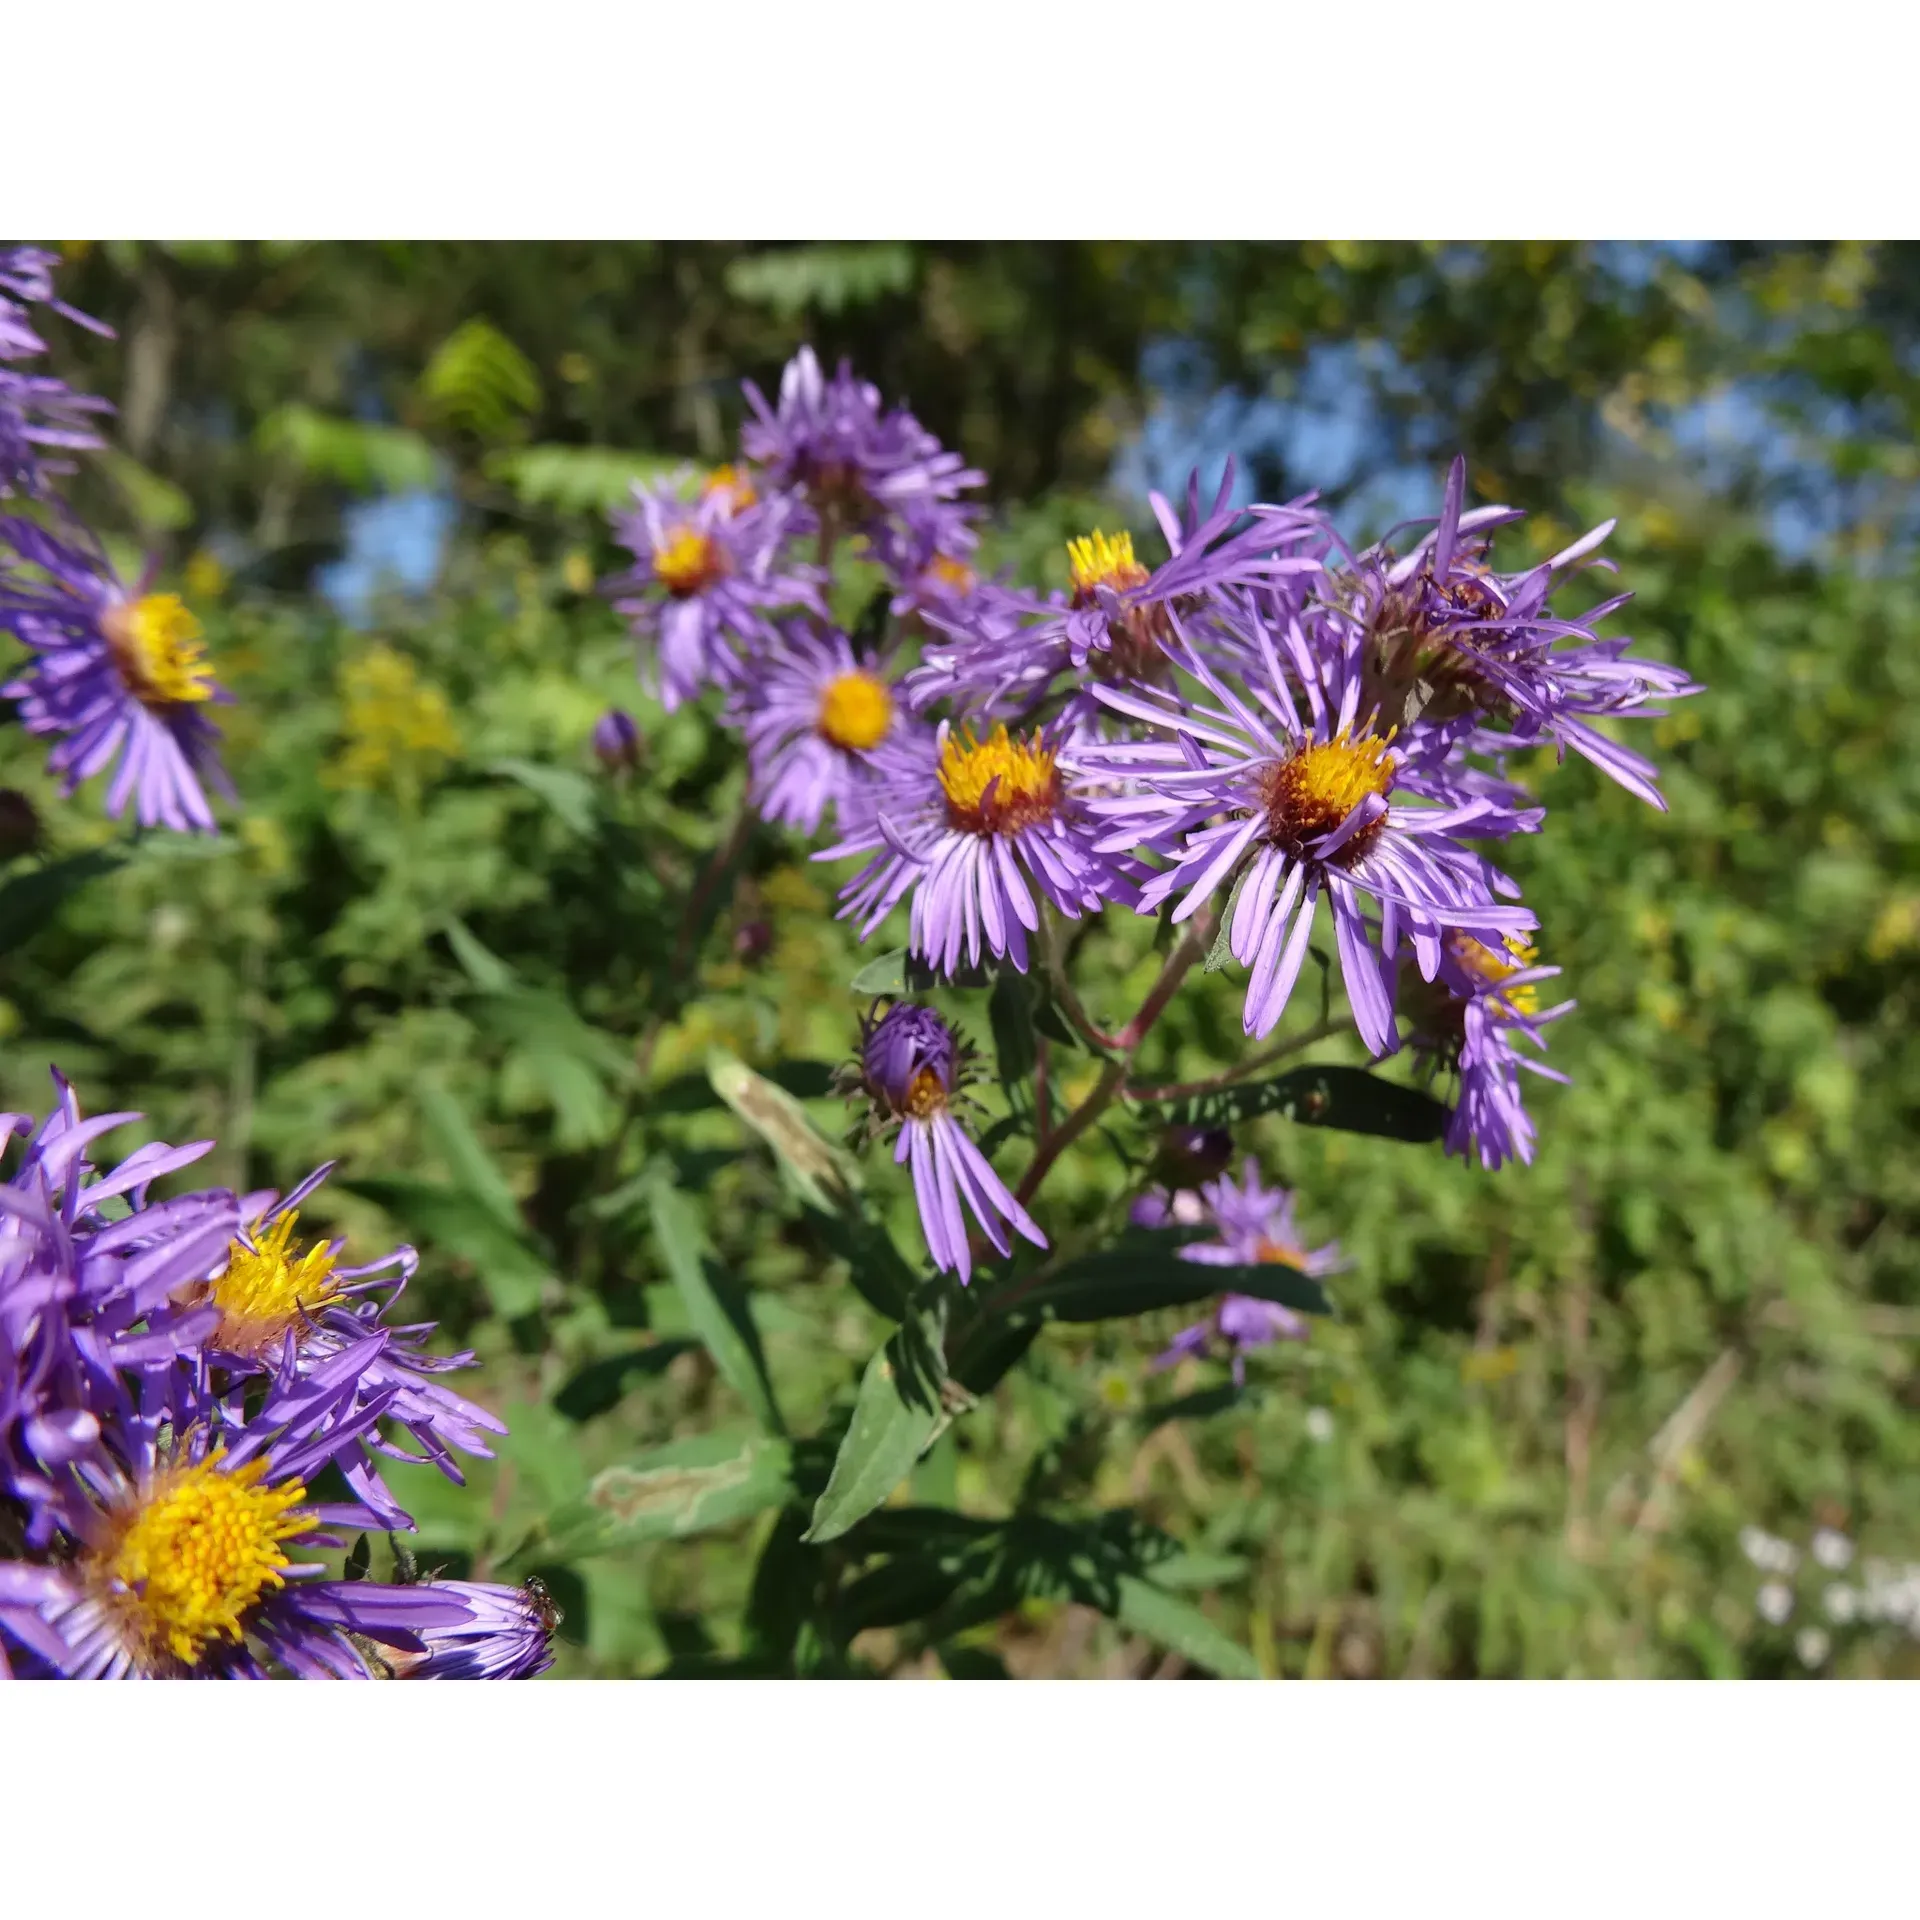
point(972, 828)
point(1473, 1018)
point(38, 413)
point(507, 1634)
point(119, 673)
point(1445, 636)
point(863, 468)
point(814, 718)
point(1312, 806)
point(616, 740)
point(1256, 1229)
point(711, 571)
point(277, 1306)
point(79, 1289)
point(913, 1069)
point(172, 1556)
point(1003, 651)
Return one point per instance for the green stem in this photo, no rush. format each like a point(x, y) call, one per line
point(1280, 1050)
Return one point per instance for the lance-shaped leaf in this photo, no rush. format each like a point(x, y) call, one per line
point(1144, 1272)
point(1345, 1097)
point(900, 972)
point(688, 1487)
point(29, 900)
point(901, 1409)
point(716, 1308)
point(826, 1176)
point(569, 794)
point(510, 1267)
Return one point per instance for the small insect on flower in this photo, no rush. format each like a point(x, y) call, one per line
point(912, 1070)
point(119, 672)
point(506, 1634)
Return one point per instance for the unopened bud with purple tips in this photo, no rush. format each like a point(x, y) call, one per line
point(616, 740)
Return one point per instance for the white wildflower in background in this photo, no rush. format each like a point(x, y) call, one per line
point(1841, 1604)
point(1812, 1645)
point(1832, 1549)
point(1319, 1424)
point(1768, 1552)
point(1775, 1602)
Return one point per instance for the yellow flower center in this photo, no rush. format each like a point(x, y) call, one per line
point(182, 1566)
point(1490, 968)
point(265, 1289)
point(688, 562)
point(926, 1093)
point(1097, 561)
point(855, 711)
point(1313, 792)
point(157, 647)
point(732, 485)
point(953, 574)
point(997, 784)
point(1270, 1253)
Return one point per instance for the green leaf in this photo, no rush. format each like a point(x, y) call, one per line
point(1345, 1097)
point(898, 972)
point(484, 968)
point(1144, 1272)
point(716, 1312)
point(1221, 951)
point(575, 479)
point(826, 1176)
point(479, 381)
point(827, 278)
point(1010, 1014)
point(1143, 1607)
point(897, 1415)
point(689, 1487)
point(460, 1146)
point(353, 453)
point(158, 505)
point(569, 794)
point(513, 1272)
point(694, 1092)
point(29, 900)
point(885, 976)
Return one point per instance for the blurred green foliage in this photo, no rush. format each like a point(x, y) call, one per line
point(438, 943)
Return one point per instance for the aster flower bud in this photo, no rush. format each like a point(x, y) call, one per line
point(616, 740)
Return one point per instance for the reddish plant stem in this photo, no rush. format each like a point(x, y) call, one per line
point(1193, 944)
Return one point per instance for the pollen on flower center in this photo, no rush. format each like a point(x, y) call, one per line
point(955, 575)
point(688, 562)
point(1313, 793)
point(181, 1566)
point(732, 485)
point(265, 1288)
point(157, 646)
point(1097, 561)
point(926, 1093)
point(1488, 967)
point(856, 710)
point(997, 785)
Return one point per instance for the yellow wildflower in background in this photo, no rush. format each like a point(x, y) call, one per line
point(398, 729)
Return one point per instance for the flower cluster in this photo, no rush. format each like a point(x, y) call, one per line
point(1264, 720)
point(116, 673)
point(177, 1379)
point(41, 418)
point(1256, 1228)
